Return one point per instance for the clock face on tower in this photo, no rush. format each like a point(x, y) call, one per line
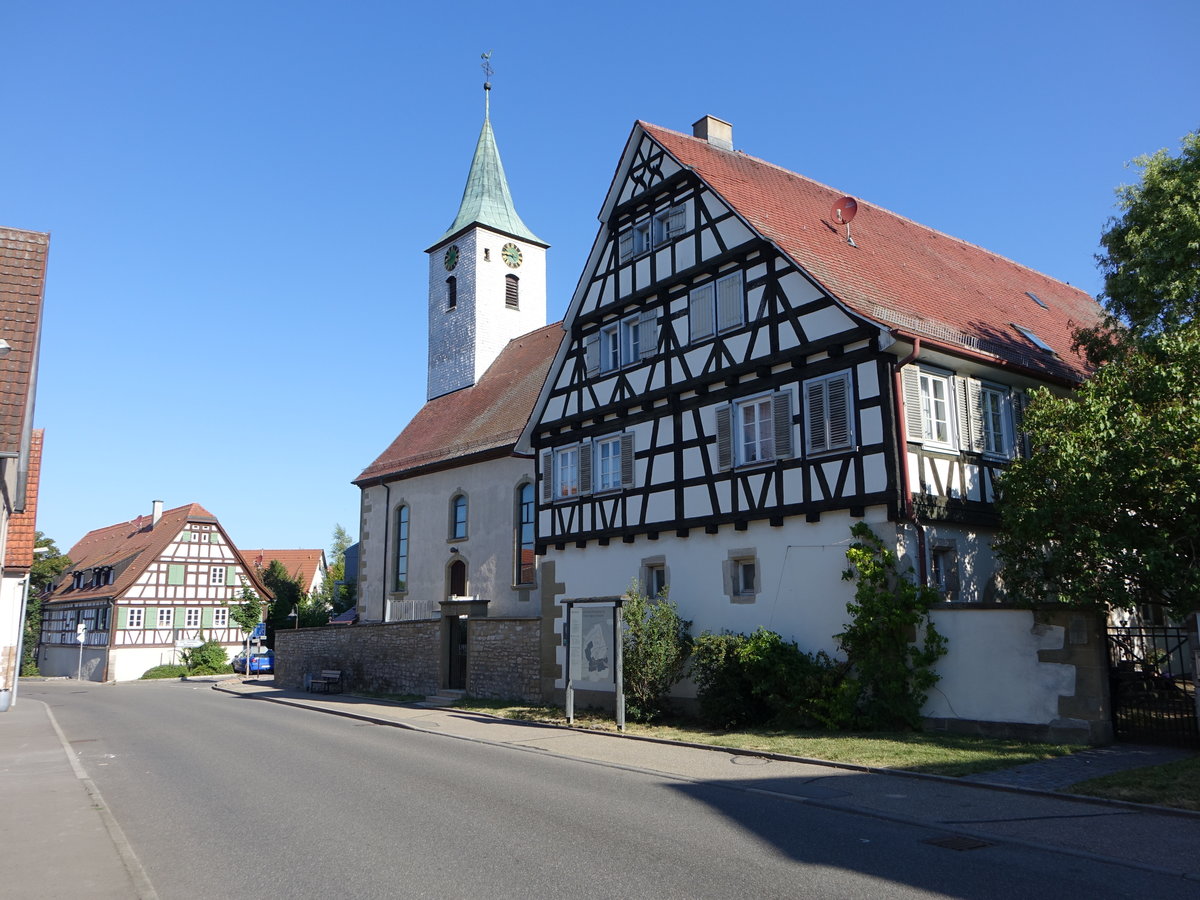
point(450, 260)
point(511, 255)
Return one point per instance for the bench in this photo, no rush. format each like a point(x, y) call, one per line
point(329, 680)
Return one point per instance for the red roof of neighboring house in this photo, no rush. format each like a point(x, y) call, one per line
point(899, 273)
point(299, 563)
point(22, 283)
point(129, 547)
point(490, 415)
point(22, 527)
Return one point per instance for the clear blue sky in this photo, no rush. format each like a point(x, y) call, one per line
point(240, 191)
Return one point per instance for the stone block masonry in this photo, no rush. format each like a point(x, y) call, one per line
point(503, 659)
point(395, 658)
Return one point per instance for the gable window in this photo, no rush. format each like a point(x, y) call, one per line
point(566, 472)
point(221, 617)
point(524, 566)
point(668, 223)
point(623, 343)
point(651, 232)
point(512, 292)
point(166, 617)
point(716, 306)
point(827, 413)
point(216, 575)
point(458, 517)
point(610, 348)
point(135, 617)
point(755, 430)
point(191, 617)
point(451, 293)
point(400, 572)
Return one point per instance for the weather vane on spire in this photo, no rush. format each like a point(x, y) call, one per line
point(486, 65)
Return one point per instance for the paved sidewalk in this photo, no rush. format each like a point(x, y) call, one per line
point(57, 839)
point(1140, 836)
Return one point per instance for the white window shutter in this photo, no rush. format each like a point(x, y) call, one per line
point(591, 354)
point(676, 220)
point(627, 459)
point(781, 412)
point(724, 438)
point(700, 312)
point(963, 408)
point(648, 334)
point(625, 245)
point(838, 411)
point(815, 407)
point(730, 302)
point(547, 476)
point(585, 467)
point(913, 420)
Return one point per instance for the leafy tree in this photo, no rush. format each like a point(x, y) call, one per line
point(1106, 512)
point(287, 591)
point(46, 568)
point(331, 596)
point(1151, 275)
point(655, 646)
point(891, 642)
point(248, 613)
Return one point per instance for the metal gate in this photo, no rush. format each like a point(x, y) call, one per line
point(1152, 685)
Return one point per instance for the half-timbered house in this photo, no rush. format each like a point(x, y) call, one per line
point(140, 588)
point(743, 377)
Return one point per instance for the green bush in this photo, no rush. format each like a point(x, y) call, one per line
point(656, 644)
point(760, 680)
point(210, 656)
point(170, 671)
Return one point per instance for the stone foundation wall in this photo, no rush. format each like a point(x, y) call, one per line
point(394, 658)
point(503, 659)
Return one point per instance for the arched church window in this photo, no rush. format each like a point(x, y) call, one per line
point(451, 292)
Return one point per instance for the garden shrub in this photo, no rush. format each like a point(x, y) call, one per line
point(167, 671)
point(655, 645)
point(210, 656)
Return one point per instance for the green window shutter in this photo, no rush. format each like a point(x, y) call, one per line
point(122, 617)
point(206, 617)
point(175, 573)
point(150, 618)
point(186, 537)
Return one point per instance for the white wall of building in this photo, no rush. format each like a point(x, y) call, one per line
point(488, 550)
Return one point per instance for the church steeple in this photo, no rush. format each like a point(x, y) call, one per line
point(486, 199)
point(487, 274)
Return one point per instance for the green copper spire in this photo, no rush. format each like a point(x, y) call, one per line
point(486, 200)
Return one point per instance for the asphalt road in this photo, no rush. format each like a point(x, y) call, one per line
point(223, 797)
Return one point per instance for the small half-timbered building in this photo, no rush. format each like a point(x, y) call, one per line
point(140, 588)
point(745, 374)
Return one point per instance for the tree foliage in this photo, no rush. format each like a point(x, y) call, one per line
point(891, 642)
point(287, 591)
point(1151, 258)
point(655, 646)
point(248, 612)
point(46, 569)
point(1106, 512)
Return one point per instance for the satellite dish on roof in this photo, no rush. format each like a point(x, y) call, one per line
point(843, 212)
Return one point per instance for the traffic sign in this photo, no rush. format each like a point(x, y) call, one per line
point(188, 644)
point(260, 630)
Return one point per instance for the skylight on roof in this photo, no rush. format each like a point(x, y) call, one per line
point(1033, 338)
point(1036, 299)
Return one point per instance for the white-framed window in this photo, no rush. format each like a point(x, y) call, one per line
point(135, 617)
point(754, 430)
point(667, 224)
point(653, 231)
point(610, 348)
point(216, 575)
point(566, 472)
point(166, 617)
point(221, 617)
point(631, 340)
point(943, 571)
point(755, 426)
point(995, 421)
point(191, 617)
point(929, 407)
point(608, 464)
point(717, 306)
point(828, 413)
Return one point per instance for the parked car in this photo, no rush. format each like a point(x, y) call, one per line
point(260, 662)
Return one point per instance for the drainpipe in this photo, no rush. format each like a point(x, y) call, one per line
point(909, 510)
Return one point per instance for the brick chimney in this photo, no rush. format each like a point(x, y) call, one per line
point(716, 131)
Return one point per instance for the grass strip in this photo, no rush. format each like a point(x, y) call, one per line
point(1175, 784)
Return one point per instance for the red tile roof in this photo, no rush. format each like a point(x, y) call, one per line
point(22, 283)
point(22, 527)
point(488, 416)
point(901, 274)
point(302, 563)
point(129, 547)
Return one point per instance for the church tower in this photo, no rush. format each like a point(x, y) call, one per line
point(487, 275)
